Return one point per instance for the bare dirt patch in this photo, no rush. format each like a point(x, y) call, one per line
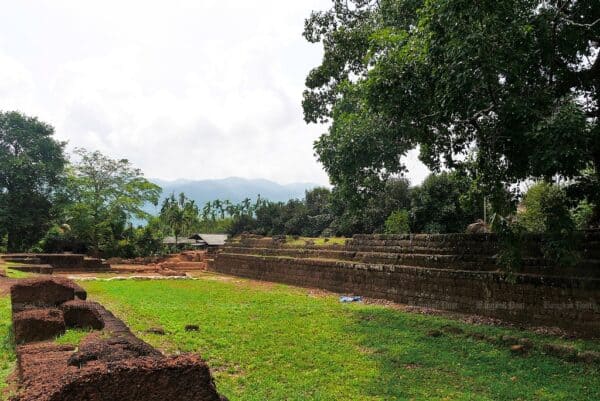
point(5, 284)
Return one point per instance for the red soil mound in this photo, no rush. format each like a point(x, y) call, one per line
point(82, 314)
point(181, 378)
point(40, 292)
point(38, 324)
point(114, 365)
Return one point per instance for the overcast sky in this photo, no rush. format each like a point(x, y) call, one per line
point(192, 89)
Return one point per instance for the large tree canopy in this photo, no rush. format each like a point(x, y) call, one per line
point(104, 195)
point(509, 88)
point(31, 166)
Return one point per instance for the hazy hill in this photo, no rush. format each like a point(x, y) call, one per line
point(234, 189)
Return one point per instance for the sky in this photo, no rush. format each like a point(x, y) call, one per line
point(184, 89)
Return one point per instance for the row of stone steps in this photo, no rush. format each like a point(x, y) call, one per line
point(39, 263)
point(466, 261)
point(34, 268)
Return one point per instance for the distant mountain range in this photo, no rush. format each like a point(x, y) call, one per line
point(233, 189)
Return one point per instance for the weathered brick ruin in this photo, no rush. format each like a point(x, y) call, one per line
point(48, 263)
point(109, 365)
point(169, 265)
point(455, 272)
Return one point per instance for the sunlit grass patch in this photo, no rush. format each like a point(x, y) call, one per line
point(270, 341)
point(7, 348)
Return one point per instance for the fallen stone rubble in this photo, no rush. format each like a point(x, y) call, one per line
point(111, 364)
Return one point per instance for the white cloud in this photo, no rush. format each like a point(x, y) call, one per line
point(184, 89)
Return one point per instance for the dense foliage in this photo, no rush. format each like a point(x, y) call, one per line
point(178, 215)
point(444, 203)
point(508, 90)
point(103, 196)
point(31, 169)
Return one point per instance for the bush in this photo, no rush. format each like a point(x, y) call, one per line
point(60, 239)
point(545, 208)
point(398, 222)
point(511, 235)
point(582, 215)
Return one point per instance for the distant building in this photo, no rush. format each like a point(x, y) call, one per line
point(200, 241)
point(181, 241)
point(212, 241)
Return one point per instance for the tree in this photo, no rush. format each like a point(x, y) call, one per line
point(319, 213)
point(179, 215)
point(207, 210)
point(545, 208)
point(105, 194)
point(513, 83)
point(246, 207)
point(31, 168)
point(439, 206)
point(367, 214)
point(218, 208)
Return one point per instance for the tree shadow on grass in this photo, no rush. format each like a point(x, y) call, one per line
point(419, 358)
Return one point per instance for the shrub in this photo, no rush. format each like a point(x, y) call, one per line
point(545, 208)
point(398, 222)
point(583, 214)
point(510, 240)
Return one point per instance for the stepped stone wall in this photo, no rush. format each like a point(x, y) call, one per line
point(47, 263)
point(455, 272)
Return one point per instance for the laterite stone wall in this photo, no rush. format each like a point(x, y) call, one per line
point(450, 272)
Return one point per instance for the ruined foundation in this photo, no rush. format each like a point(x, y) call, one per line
point(49, 263)
point(107, 366)
point(454, 272)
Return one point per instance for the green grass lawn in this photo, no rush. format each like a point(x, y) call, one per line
point(12, 273)
point(18, 274)
point(274, 342)
point(7, 351)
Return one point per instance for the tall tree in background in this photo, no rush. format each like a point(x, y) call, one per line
point(442, 204)
point(105, 194)
point(179, 215)
point(31, 165)
point(515, 84)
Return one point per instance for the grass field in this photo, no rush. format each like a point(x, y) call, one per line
point(7, 352)
point(273, 342)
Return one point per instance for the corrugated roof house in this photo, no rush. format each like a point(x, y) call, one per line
point(211, 239)
point(183, 241)
point(198, 240)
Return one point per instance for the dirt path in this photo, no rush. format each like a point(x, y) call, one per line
point(5, 284)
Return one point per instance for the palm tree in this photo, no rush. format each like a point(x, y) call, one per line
point(219, 205)
point(216, 207)
point(178, 214)
point(206, 211)
point(233, 210)
point(226, 208)
point(247, 206)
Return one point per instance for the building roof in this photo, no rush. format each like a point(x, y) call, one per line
point(211, 239)
point(183, 241)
